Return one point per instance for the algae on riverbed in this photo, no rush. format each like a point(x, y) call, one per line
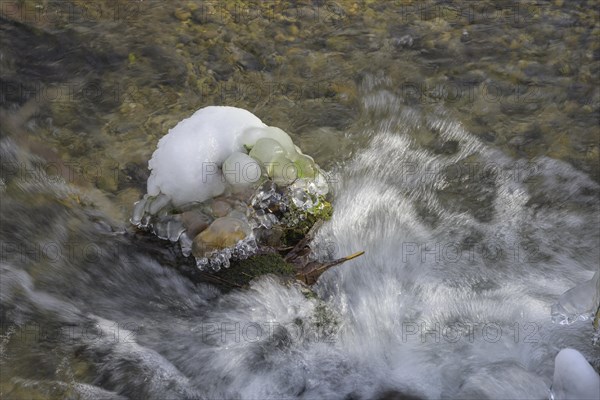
point(496, 70)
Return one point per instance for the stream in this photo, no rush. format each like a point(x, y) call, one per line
point(472, 225)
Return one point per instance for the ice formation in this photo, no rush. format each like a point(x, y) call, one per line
point(186, 165)
point(578, 303)
point(220, 178)
point(574, 377)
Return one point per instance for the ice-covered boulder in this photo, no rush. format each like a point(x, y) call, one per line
point(221, 179)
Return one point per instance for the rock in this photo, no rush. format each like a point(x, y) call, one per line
point(182, 14)
point(272, 237)
point(206, 13)
point(245, 59)
point(178, 172)
point(404, 41)
point(464, 37)
point(223, 232)
point(220, 208)
point(133, 175)
point(167, 65)
point(195, 222)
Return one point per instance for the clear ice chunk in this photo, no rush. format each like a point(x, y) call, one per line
point(174, 230)
point(301, 199)
point(186, 244)
point(266, 150)
point(169, 228)
point(282, 170)
point(138, 211)
point(578, 303)
point(251, 136)
point(158, 203)
point(222, 258)
point(319, 185)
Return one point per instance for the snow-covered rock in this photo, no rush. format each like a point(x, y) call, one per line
point(220, 178)
point(186, 165)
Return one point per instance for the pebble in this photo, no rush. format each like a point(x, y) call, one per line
point(404, 41)
point(195, 222)
point(222, 233)
point(220, 208)
point(182, 14)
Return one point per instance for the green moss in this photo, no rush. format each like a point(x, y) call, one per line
point(296, 231)
point(241, 272)
point(308, 293)
point(293, 235)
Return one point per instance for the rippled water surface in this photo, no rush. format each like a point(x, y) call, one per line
point(462, 140)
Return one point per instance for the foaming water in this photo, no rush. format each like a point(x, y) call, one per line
point(465, 254)
point(466, 251)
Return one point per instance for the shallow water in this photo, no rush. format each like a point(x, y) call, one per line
point(464, 164)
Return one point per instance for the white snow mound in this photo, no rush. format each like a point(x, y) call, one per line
point(186, 164)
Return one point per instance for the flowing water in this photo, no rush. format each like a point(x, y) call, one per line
point(471, 231)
